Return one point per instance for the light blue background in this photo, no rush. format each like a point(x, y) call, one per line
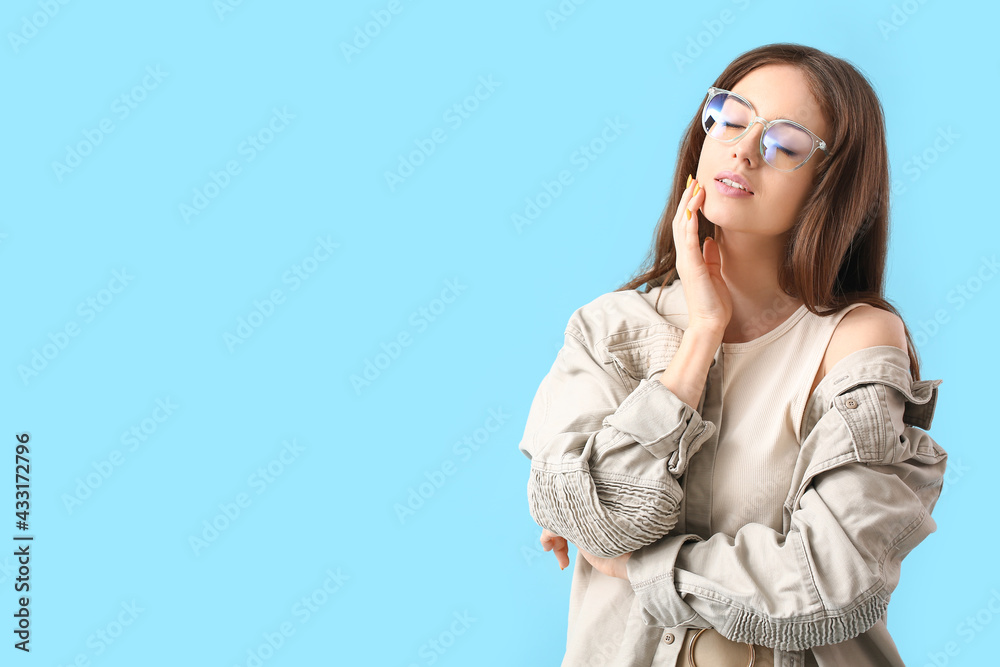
point(471, 548)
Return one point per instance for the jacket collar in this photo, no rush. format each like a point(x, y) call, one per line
point(887, 364)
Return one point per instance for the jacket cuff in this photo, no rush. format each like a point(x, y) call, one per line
point(650, 571)
point(662, 423)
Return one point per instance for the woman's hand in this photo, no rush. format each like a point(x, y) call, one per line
point(709, 303)
point(613, 567)
point(552, 541)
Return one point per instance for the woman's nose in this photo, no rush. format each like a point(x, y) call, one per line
point(749, 144)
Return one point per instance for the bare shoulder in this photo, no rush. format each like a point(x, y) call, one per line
point(865, 326)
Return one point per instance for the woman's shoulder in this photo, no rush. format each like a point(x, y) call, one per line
point(864, 326)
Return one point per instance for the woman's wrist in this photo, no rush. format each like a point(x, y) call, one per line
point(688, 370)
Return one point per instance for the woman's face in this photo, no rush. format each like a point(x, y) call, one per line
point(775, 91)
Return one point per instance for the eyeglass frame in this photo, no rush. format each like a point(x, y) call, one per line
point(817, 142)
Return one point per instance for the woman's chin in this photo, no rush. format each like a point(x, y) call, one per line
point(724, 217)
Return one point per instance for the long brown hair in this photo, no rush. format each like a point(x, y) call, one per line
point(836, 252)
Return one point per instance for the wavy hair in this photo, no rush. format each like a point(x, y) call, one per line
point(837, 248)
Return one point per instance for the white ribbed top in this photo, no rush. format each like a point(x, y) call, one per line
point(743, 476)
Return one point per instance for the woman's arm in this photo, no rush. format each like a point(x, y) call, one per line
point(604, 461)
point(589, 481)
point(868, 493)
point(688, 370)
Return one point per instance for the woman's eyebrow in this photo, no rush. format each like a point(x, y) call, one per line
point(781, 116)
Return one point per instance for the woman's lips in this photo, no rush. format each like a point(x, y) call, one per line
point(730, 191)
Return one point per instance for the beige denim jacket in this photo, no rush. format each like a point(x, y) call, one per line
point(607, 442)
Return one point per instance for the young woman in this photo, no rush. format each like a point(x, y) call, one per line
point(740, 452)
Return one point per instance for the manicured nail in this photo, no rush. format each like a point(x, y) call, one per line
point(688, 212)
point(689, 182)
point(696, 188)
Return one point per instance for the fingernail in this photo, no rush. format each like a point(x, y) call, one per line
point(688, 212)
point(689, 181)
point(696, 188)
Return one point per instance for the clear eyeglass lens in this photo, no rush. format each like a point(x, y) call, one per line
point(786, 146)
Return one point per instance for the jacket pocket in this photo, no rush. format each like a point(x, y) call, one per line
point(868, 409)
point(640, 354)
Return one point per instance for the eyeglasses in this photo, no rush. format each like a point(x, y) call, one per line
point(784, 144)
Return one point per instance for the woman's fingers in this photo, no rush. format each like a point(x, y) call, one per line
point(562, 553)
point(682, 225)
point(707, 295)
point(546, 539)
point(691, 228)
point(558, 545)
point(713, 258)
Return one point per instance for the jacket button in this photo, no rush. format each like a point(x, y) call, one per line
point(851, 403)
point(668, 638)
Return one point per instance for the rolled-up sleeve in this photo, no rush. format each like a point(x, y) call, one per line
point(604, 460)
point(829, 578)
